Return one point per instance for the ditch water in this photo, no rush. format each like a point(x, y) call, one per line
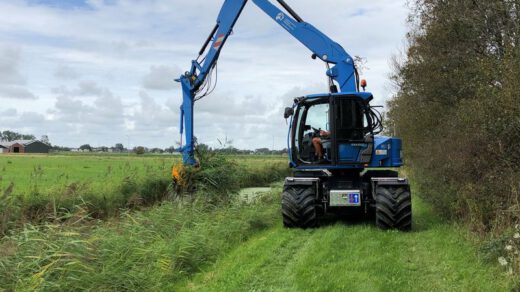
point(249, 194)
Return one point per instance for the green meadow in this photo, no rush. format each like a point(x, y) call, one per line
point(39, 188)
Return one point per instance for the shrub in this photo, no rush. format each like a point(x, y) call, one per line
point(139, 150)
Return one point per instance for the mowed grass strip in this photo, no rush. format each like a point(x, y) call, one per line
point(355, 257)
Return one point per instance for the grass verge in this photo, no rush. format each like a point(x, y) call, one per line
point(356, 256)
point(146, 250)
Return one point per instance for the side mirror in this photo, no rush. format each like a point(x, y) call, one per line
point(289, 111)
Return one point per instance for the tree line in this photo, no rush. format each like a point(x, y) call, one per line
point(225, 147)
point(457, 108)
point(9, 136)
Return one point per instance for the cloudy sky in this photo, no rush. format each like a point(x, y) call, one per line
point(101, 71)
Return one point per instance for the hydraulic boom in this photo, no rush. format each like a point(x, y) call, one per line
point(194, 82)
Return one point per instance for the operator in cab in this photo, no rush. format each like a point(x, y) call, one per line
point(318, 144)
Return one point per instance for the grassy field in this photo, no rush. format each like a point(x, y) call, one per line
point(37, 188)
point(138, 251)
point(52, 173)
point(28, 173)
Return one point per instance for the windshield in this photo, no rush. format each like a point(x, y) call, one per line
point(318, 116)
point(310, 118)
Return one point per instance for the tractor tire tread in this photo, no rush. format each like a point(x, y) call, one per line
point(393, 208)
point(298, 207)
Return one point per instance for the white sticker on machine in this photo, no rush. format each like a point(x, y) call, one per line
point(219, 41)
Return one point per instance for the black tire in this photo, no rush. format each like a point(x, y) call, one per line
point(394, 208)
point(299, 208)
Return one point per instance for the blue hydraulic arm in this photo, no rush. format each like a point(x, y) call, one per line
point(344, 72)
point(194, 81)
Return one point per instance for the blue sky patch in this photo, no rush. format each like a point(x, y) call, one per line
point(62, 4)
point(359, 12)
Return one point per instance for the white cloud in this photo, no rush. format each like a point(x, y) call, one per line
point(66, 72)
point(11, 80)
point(11, 112)
point(9, 66)
point(84, 88)
point(105, 74)
point(161, 78)
point(15, 92)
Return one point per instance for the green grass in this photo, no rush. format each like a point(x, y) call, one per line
point(53, 173)
point(39, 188)
point(141, 251)
point(241, 246)
point(200, 242)
point(49, 172)
point(355, 257)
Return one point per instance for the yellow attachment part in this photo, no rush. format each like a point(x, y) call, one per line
point(177, 171)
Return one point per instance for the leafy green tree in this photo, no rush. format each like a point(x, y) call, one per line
point(12, 136)
point(262, 151)
point(170, 149)
point(139, 150)
point(156, 150)
point(119, 147)
point(203, 147)
point(457, 107)
point(85, 147)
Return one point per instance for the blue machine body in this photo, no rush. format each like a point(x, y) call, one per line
point(341, 69)
point(386, 150)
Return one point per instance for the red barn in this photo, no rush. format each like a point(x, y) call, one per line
point(24, 146)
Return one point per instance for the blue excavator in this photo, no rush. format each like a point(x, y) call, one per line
point(340, 163)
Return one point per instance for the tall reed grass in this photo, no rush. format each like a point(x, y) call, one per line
point(146, 250)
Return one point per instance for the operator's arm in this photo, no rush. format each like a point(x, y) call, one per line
point(324, 134)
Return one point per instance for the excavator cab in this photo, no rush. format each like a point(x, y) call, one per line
point(332, 130)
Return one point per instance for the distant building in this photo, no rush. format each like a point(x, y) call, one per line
point(24, 146)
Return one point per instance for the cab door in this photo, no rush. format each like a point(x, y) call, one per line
point(352, 140)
